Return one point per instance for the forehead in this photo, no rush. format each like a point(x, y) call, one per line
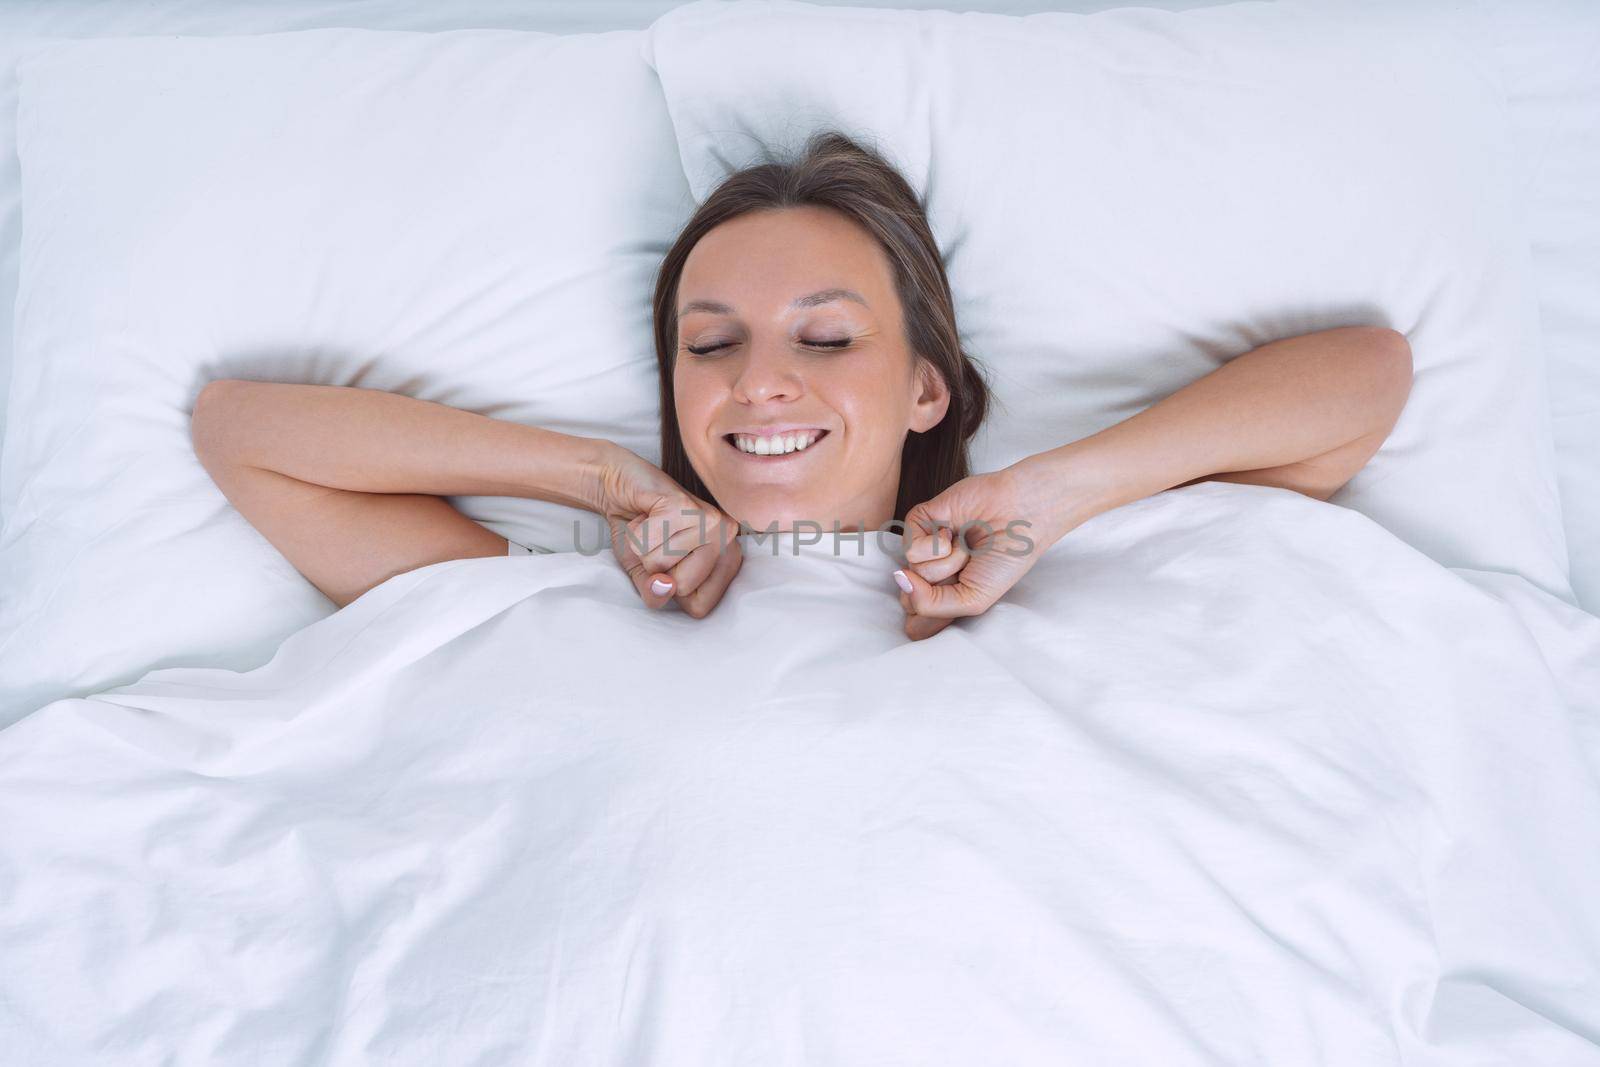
point(760, 261)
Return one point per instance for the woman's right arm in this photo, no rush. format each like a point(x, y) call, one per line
point(348, 483)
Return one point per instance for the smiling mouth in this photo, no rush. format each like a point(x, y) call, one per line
point(775, 457)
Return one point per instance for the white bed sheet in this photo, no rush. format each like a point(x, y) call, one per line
point(1550, 58)
point(1232, 777)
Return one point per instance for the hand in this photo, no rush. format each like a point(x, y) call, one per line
point(953, 575)
point(696, 554)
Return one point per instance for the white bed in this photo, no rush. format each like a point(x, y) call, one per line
point(1235, 777)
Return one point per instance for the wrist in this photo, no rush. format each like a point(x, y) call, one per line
point(568, 469)
point(1066, 489)
point(597, 472)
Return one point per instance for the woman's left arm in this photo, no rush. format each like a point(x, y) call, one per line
point(1303, 413)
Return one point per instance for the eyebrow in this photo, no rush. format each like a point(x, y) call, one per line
point(821, 296)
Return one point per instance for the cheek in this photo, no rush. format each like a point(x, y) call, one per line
point(691, 404)
point(874, 407)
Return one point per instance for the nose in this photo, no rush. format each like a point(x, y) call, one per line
point(768, 373)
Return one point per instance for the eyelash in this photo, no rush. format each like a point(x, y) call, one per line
point(843, 342)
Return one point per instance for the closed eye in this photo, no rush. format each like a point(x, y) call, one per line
point(841, 343)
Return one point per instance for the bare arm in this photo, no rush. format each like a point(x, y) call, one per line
point(1303, 413)
point(348, 483)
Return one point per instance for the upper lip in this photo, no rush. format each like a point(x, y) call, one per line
point(772, 431)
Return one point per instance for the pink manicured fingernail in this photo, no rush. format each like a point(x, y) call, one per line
point(660, 586)
point(902, 581)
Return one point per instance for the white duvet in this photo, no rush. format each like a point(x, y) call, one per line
point(1232, 777)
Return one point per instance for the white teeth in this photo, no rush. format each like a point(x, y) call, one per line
point(777, 445)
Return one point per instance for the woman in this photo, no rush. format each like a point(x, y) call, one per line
point(810, 370)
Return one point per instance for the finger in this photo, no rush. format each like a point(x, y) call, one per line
point(944, 567)
point(646, 584)
point(926, 546)
point(692, 570)
point(910, 608)
point(674, 542)
point(709, 594)
point(937, 555)
point(620, 546)
point(704, 547)
point(944, 601)
point(922, 627)
point(902, 582)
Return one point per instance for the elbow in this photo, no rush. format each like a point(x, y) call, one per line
point(1386, 345)
point(210, 419)
point(1395, 371)
point(1396, 349)
point(1389, 353)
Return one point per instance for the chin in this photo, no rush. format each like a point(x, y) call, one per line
point(759, 515)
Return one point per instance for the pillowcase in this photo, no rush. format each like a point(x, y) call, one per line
point(1127, 200)
point(1547, 51)
point(470, 217)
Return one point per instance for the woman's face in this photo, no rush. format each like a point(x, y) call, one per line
point(800, 307)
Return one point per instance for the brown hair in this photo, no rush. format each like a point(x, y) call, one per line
point(835, 171)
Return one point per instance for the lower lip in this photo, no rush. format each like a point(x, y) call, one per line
point(780, 457)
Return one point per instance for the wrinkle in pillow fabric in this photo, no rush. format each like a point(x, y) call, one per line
point(469, 217)
point(1232, 778)
point(1128, 199)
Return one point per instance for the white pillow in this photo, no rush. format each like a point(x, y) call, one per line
point(472, 217)
point(1127, 200)
point(1548, 50)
